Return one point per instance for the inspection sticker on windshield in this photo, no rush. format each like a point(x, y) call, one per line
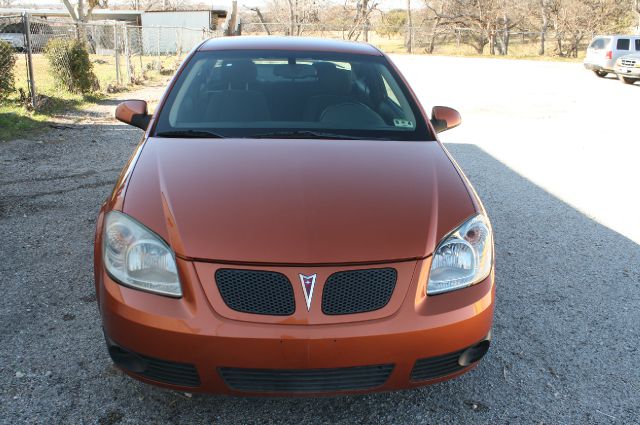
point(402, 123)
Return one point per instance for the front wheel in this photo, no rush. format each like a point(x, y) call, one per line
point(628, 80)
point(601, 74)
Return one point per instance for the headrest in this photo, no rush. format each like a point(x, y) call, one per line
point(239, 73)
point(333, 81)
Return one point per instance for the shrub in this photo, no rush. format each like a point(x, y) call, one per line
point(70, 65)
point(7, 62)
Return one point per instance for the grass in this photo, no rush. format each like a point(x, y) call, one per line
point(18, 120)
point(517, 49)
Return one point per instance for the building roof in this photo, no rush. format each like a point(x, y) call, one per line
point(289, 43)
point(104, 14)
point(221, 10)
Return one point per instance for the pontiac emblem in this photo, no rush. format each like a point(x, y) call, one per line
point(308, 282)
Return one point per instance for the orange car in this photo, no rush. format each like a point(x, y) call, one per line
point(290, 224)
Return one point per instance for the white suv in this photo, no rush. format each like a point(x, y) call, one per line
point(604, 51)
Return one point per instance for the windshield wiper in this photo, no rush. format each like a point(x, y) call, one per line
point(190, 134)
point(308, 134)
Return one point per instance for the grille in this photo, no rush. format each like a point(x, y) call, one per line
point(628, 62)
point(182, 374)
point(306, 380)
point(257, 292)
point(358, 291)
point(435, 367)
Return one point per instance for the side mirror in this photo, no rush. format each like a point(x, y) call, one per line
point(443, 118)
point(133, 112)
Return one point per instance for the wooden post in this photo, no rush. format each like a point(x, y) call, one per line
point(127, 54)
point(32, 80)
point(116, 52)
point(234, 18)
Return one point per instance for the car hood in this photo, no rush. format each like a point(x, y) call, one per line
point(297, 201)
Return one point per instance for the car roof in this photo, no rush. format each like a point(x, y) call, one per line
point(617, 36)
point(289, 43)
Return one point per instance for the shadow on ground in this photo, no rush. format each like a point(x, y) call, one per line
point(565, 336)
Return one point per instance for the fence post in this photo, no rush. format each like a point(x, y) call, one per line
point(158, 65)
point(116, 52)
point(140, 42)
point(32, 80)
point(127, 54)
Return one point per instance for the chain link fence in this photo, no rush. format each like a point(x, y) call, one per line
point(120, 55)
point(10, 46)
point(430, 40)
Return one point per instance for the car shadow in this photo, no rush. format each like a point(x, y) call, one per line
point(614, 77)
point(565, 331)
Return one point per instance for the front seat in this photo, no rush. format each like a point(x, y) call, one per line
point(238, 102)
point(335, 86)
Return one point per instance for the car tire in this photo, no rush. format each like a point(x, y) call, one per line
point(601, 74)
point(627, 80)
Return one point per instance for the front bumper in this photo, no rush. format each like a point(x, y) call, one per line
point(628, 72)
point(417, 340)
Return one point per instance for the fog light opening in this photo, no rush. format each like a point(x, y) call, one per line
point(126, 359)
point(475, 353)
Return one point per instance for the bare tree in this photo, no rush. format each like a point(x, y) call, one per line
point(79, 13)
point(437, 20)
point(357, 16)
point(257, 11)
point(636, 9)
point(293, 18)
point(544, 14)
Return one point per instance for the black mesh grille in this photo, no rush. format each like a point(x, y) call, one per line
point(358, 291)
point(306, 380)
point(257, 292)
point(435, 367)
point(182, 374)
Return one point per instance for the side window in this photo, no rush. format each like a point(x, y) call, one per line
point(623, 44)
point(638, 44)
point(597, 44)
point(390, 94)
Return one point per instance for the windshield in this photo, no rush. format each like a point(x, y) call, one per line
point(290, 94)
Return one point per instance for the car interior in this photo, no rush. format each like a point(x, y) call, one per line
point(320, 93)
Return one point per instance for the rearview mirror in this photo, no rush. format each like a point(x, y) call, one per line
point(444, 118)
point(133, 112)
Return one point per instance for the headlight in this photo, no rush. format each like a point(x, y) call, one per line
point(463, 258)
point(136, 257)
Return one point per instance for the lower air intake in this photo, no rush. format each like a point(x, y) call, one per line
point(306, 380)
point(435, 367)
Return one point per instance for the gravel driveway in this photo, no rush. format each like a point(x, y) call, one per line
point(566, 334)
